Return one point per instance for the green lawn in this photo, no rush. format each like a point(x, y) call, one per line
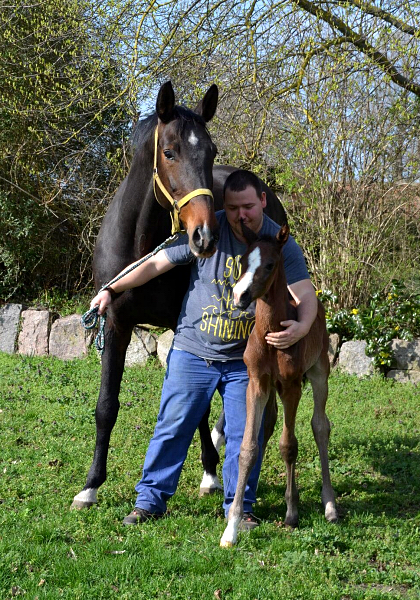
point(46, 551)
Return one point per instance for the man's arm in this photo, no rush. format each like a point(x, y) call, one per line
point(304, 294)
point(148, 270)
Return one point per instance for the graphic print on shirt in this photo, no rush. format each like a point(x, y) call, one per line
point(221, 319)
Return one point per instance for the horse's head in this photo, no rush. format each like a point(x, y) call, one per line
point(258, 266)
point(183, 164)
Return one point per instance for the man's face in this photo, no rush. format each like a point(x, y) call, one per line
point(246, 206)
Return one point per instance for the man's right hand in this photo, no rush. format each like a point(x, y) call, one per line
point(102, 300)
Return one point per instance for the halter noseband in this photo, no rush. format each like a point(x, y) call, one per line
point(176, 205)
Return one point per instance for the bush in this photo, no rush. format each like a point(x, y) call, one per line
point(394, 313)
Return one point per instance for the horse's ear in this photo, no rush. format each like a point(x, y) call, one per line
point(249, 235)
point(207, 106)
point(165, 102)
point(283, 235)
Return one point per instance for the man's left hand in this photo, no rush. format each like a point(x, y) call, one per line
point(284, 339)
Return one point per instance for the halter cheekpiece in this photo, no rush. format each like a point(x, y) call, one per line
point(175, 204)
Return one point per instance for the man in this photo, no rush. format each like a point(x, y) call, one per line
point(208, 347)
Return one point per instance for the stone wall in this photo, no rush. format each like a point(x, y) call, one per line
point(40, 333)
point(405, 366)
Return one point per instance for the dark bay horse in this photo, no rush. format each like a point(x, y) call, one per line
point(263, 279)
point(134, 225)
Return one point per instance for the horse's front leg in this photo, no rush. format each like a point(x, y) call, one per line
point(256, 399)
point(210, 447)
point(116, 342)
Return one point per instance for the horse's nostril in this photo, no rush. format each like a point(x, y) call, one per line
point(197, 237)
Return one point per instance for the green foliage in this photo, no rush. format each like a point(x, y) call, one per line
point(47, 425)
point(388, 315)
point(63, 126)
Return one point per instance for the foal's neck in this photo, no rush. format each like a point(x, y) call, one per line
point(275, 305)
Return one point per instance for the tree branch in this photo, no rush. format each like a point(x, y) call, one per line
point(385, 16)
point(361, 43)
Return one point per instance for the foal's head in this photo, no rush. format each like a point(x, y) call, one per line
point(185, 156)
point(258, 265)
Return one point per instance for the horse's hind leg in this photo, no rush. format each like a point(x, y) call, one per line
point(210, 454)
point(318, 376)
point(106, 411)
point(270, 418)
point(290, 394)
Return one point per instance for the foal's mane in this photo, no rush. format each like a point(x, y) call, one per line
point(145, 127)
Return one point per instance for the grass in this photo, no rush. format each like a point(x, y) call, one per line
point(47, 551)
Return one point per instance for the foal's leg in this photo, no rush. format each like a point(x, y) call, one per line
point(290, 394)
point(116, 342)
point(318, 376)
point(209, 457)
point(270, 418)
point(256, 399)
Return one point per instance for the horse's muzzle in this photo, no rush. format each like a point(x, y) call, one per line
point(203, 241)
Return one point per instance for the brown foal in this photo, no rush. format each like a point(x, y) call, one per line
point(263, 279)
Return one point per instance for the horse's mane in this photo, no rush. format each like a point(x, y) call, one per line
point(144, 128)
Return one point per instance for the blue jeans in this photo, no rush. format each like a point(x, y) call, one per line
point(189, 385)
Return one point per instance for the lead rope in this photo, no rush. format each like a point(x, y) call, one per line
point(89, 319)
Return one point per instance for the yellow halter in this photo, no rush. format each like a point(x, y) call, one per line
point(176, 205)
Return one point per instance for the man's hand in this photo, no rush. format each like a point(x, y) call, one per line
point(284, 339)
point(102, 300)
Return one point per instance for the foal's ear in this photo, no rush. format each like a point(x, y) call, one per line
point(249, 235)
point(165, 102)
point(283, 235)
point(207, 106)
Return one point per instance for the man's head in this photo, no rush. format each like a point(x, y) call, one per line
point(244, 200)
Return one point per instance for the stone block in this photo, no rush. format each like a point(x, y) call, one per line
point(406, 355)
point(333, 347)
point(9, 327)
point(68, 339)
point(164, 345)
point(141, 346)
point(405, 376)
point(34, 332)
point(353, 359)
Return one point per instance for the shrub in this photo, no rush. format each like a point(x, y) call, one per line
point(394, 313)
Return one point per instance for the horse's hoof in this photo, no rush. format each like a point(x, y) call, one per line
point(331, 513)
point(226, 544)
point(205, 491)
point(291, 523)
point(80, 505)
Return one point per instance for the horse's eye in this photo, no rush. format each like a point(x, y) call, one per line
point(168, 154)
point(269, 266)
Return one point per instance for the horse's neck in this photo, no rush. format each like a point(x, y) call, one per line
point(275, 306)
point(141, 220)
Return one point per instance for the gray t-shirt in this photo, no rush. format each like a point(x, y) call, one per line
point(208, 325)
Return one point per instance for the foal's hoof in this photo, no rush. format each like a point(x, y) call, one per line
point(226, 544)
point(291, 523)
point(331, 513)
point(205, 491)
point(80, 505)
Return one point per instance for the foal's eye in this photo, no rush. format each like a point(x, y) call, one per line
point(269, 266)
point(168, 154)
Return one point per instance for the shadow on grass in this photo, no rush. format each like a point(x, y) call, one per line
point(386, 480)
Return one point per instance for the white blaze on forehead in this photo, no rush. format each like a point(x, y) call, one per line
point(193, 139)
point(254, 261)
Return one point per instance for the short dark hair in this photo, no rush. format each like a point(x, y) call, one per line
point(239, 180)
